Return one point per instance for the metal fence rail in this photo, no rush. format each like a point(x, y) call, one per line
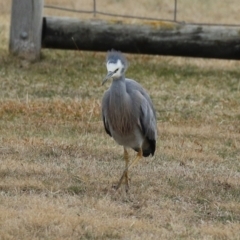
point(95, 12)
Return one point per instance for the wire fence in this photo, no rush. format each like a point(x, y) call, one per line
point(94, 12)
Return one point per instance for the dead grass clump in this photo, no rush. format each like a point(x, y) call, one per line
point(221, 231)
point(65, 110)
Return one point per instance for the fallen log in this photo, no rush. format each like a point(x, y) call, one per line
point(150, 37)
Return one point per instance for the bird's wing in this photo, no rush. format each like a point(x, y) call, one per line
point(105, 101)
point(147, 120)
point(147, 114)
point(133, 85)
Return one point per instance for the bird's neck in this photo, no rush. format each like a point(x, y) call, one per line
point(121, 112)
point(118, 90)
point(119, 97)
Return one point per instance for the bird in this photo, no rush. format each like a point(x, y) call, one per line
point(128, 113)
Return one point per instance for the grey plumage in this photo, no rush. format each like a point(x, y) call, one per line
point(128, 113)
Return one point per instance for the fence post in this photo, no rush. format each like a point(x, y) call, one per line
point(26, 28)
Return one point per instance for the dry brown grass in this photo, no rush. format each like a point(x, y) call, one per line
point(57, 165)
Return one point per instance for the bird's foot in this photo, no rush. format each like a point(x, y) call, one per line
point(114, 186)
point(127, 184)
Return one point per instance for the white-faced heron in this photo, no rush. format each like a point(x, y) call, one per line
point(128, 113)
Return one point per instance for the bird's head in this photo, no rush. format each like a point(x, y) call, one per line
point(116, 65)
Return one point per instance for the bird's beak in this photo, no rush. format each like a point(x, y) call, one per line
point(109, 75)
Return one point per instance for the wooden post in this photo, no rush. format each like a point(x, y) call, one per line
point(161, 38)
point(26, 29)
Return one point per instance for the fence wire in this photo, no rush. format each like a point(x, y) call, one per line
point(95, 12)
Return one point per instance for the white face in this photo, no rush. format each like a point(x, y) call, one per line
point(116, 68)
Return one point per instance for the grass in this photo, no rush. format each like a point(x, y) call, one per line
point(58, 165)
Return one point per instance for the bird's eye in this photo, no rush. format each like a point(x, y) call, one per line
point(116, 70)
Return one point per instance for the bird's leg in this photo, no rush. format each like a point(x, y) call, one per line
point(134, 162)
point(137, 158)
point(126, 167)
point(125, 173)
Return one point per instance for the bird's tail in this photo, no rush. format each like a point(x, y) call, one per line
point(148, 148)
